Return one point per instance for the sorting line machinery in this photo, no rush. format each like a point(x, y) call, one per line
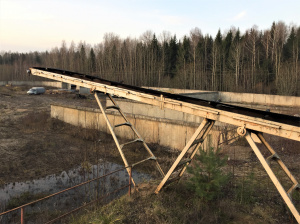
point(249, 122)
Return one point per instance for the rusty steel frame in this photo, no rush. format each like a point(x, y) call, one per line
point(119, 146)
point(196, 141)
point(286, 195)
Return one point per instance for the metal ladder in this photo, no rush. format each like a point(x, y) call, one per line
point(187, 154)
point(137, 135)
point(266, 163)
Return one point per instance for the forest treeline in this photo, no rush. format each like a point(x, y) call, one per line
point(257, 61)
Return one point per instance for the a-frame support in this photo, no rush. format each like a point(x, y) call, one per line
point(286, 195)
point(126, 123)
point(187, 154)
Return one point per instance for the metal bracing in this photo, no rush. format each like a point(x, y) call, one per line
point(286, 195)
point(120, 146)
point(189, 151)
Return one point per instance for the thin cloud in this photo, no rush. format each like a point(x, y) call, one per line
point(240, 16)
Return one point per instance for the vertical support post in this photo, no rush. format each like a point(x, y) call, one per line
point(272, 176)
point(130, 175)
point(139, 136)
point(22, 215)
point(113, 134)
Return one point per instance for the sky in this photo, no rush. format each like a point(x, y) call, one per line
point(40, 25)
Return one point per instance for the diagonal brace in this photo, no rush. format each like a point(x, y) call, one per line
point(286, 197)
point(204, 127)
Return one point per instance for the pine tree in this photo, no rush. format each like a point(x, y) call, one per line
point(208, 178)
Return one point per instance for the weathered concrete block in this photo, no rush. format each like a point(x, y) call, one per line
point(91, 120)
point(148, 129)
point(173, 115)
point(153, 111)
point(126, 107)
point(259, 99)
point(139, 109)
point(172, 135)
point(102, 125)
point(81, 118)
point(71, 116)
point(57, 112)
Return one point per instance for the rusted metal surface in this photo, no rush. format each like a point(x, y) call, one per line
point(261, 121)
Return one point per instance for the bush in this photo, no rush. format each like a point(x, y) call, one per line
point(208, 178)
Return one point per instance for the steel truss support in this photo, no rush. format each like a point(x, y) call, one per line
point(286, 195)
point(120, 146)
point(189, 151)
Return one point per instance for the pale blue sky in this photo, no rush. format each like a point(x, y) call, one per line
point(29, 25)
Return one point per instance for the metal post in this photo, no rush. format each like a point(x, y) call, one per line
point(130, 174)
point(22, 215)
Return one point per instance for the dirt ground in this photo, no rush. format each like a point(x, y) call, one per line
point(33, 145)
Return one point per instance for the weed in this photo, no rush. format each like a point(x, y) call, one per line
point(24, 198)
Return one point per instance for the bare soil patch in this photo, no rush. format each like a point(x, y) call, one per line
point(33, 145)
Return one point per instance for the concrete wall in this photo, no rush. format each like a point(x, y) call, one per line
point(241, 98)
point(261, 99)
point(166, 132)
point(32, 83)
point(138, 108)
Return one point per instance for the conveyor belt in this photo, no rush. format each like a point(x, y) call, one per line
point(270, 116)
point(261, 121)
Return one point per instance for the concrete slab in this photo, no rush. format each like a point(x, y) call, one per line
point(91, 119)
point(57, 112)
point(71, 116)
point(81, 118)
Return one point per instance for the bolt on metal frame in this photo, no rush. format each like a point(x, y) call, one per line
point(126, 123)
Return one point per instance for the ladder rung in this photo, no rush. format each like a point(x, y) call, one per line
point(172, 180)
point(272, 157)
point(122, 124)
point(144, 160)
point(197, 141)
point(294, 187)
point(182, 162)
point(113, 107)
point(133, 141)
